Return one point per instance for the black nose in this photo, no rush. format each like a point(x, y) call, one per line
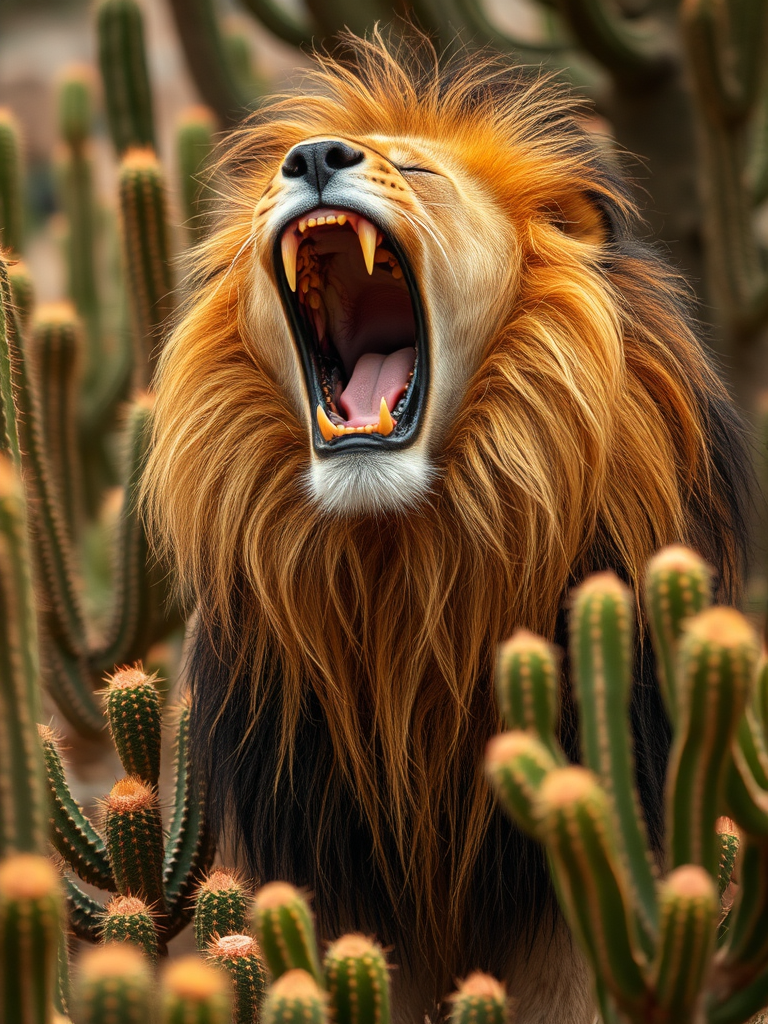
point(317, 162)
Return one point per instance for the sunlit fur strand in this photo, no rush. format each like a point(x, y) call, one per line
point(587, 429)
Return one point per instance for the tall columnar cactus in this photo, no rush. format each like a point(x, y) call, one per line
point(240, 957)
point(113, 984)
point(194, 146)
point(283, 922)
point(654, 948)
point(193, 992)
point(123, 64)
point(356, 981)
point(11, 184)
point(221, 908)
point(130, 856)
point(30, 910)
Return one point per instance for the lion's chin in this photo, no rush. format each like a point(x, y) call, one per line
point(366, 483)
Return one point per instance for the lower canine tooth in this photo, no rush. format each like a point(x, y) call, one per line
point(386, 423)
point(327, 429)
point(289, 246)
point(366, 232)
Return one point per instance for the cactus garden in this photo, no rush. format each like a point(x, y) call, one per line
point(122, 910)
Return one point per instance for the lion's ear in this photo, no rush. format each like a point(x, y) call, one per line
point(586, 216)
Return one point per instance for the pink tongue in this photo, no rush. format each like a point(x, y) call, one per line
point(375, 376)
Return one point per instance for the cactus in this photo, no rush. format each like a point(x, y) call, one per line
point(283, 923)
point(30, 908)
point(221, 907)
point(479, 1000)
point(686, 968)
point(11, 188)
point(357, 981)
point(22, 291)
point(128, 919)
point(57, 353)
point(123, 65)
point(295, 998)
point(528, 687)
point(135, 718)
point(240, 957)
point(133, 834)
point(194, 145)
point(113, 986)
point(144, 227)
point(193, 992)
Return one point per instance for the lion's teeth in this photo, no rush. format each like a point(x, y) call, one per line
point(366, 232)
point(327, 429)
point(289, 246)
point(386, 423)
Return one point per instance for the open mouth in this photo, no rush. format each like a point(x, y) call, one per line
point(357, 320)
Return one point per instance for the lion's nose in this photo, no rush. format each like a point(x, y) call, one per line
point(317, 162)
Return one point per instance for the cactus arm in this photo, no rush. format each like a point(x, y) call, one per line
point(194, 146)
point(68, 680)
point(55, 555)
point(23, 800)
point(357, 983)
point(746, 951)
point(134, 715)
point(221, 908)
point(593, 890)
point(22, 290)
point(144, 229)
point(85, 915)
point(123, 64)
point(206, 55)
point(716, 663)
point(517, 763)
point(601, 634)
point(688, 911)
point(295, 998)
point(114, 984)
point(8, 324)
point(240, 957)
point(283, 923)
point(11, 188)
point(128, 919)
point(528, 688)
point(193, 991)
point(281, 23)
point(71, 833)
point(747, 804)
point(137, 610)
point(636, 52)
point(480, 999)
point(190, 848)
point(30, 911)
point(729, 848)
point(133, 833)
point(62, 994)
point(678, 585)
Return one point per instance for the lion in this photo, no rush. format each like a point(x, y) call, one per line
point(424, 381)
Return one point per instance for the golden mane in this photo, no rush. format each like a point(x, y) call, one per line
point(584, 440)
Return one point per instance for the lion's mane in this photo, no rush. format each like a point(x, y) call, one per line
point(341, 672)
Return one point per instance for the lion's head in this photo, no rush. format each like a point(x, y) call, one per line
point(424, 379)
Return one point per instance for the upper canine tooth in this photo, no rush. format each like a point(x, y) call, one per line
point(386, 423)
point(366, 232)
point(289, 246)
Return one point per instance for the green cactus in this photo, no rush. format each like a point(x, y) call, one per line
point(517, 763)
point(528, 687)
point(57, 354)
point(123, 65)
point(193, 992)
point(283, 923)
point(194, 146)
point(479, 999)
point(133, 834)
point(221, 907)
point(30, 910)
point(240, 957)
point(601, 639)
point(144, 228)
point(134, 715)
point(357, 981)
point(295, 998)
point(128, 919)
point(22, 290)
point(11, 186)
point(113, 985)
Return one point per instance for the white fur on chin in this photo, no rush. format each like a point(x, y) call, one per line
point(370, 483)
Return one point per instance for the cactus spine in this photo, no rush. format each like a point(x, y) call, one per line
point(30, 909)
point(357, 981)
